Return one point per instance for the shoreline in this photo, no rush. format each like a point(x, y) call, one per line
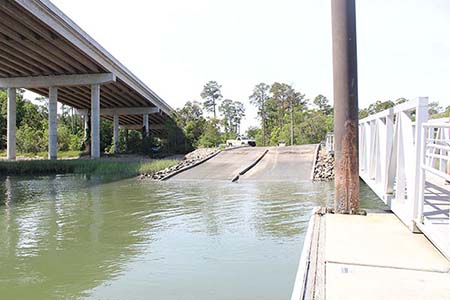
point(105, 166)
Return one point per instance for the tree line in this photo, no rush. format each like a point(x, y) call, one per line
point(284, 114)
point(32, 130)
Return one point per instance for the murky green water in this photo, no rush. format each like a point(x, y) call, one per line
point(72, 237)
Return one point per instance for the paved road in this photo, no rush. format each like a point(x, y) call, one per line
point(284, 163)
point(280, 163)
point(224, 166)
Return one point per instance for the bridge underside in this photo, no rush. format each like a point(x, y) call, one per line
point(42, 50)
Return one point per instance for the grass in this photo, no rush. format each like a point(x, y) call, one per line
point(84, 166)
point(64, 154)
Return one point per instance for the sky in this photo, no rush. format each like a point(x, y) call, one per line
point(176, 46)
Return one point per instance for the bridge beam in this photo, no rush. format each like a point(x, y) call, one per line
point(124, 111)
point(56, 81)
point(139, 127)
point(345, 106)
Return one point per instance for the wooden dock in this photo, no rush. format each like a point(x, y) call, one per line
point(369, 257)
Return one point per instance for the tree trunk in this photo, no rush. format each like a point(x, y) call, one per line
point(264, 129)
point(292, 126)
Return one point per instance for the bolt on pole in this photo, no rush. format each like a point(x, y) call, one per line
point(345, 78)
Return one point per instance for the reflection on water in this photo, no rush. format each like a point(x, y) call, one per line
point(72, 237)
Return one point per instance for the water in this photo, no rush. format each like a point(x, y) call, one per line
point(73, 237)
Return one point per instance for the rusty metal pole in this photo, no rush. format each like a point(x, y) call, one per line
point(345, 77)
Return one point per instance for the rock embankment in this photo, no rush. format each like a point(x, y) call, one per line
point(190, 159)
point(324, 169)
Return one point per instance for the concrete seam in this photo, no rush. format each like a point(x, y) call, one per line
point(389, 267)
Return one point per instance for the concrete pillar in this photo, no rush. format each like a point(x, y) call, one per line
point(11, 125)
point(146, 125)
point(86, 125)
point(53, 123)
point(116, 133)
point(95, 121)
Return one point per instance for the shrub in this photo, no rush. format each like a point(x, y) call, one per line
point(30, 140)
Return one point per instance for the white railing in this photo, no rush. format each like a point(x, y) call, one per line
point(435, 162)
point(329, 142)
point(389, 155)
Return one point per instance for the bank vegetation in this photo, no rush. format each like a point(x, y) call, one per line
point(102, 167)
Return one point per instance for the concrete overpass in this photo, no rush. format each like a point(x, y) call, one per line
point(44, 51)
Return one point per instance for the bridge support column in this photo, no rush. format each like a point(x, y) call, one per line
point(53, 123)
point(95, 121)
point(11, 125)
point(86, 124)
point(146, 125)
point(116, 133)
point(345, 106)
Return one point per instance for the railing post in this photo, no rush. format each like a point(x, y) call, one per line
point(389, 136)
point(421, 118)
point(422, 176)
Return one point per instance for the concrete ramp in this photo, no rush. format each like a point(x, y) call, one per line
point(284, 163)
point(294, 163)
point(225, 166)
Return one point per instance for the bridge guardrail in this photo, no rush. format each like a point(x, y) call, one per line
point(389, 156)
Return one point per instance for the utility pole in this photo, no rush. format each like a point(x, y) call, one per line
point(345, 77)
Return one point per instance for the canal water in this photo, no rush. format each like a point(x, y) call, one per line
point(78, 237)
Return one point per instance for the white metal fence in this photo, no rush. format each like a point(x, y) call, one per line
point(433, 217)
point(398, 149)
point(390, 144)
point(329, 142)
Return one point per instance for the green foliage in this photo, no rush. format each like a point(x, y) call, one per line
point(324, 105)
point(174, 139)
point(44, 154)
point(106, 134)
point(379, 106)
point(190, 111)
point(194, 129)
point(233, 112)
point(434, 109)
point(259, 99)
point(314, 127)
point(31, 140)
point(211, 95)
point(256, 134)
point(445, 113)
point(285, 116)
point(90, 167)
point(190, 119)
point(211, 136)
point(32, 129)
